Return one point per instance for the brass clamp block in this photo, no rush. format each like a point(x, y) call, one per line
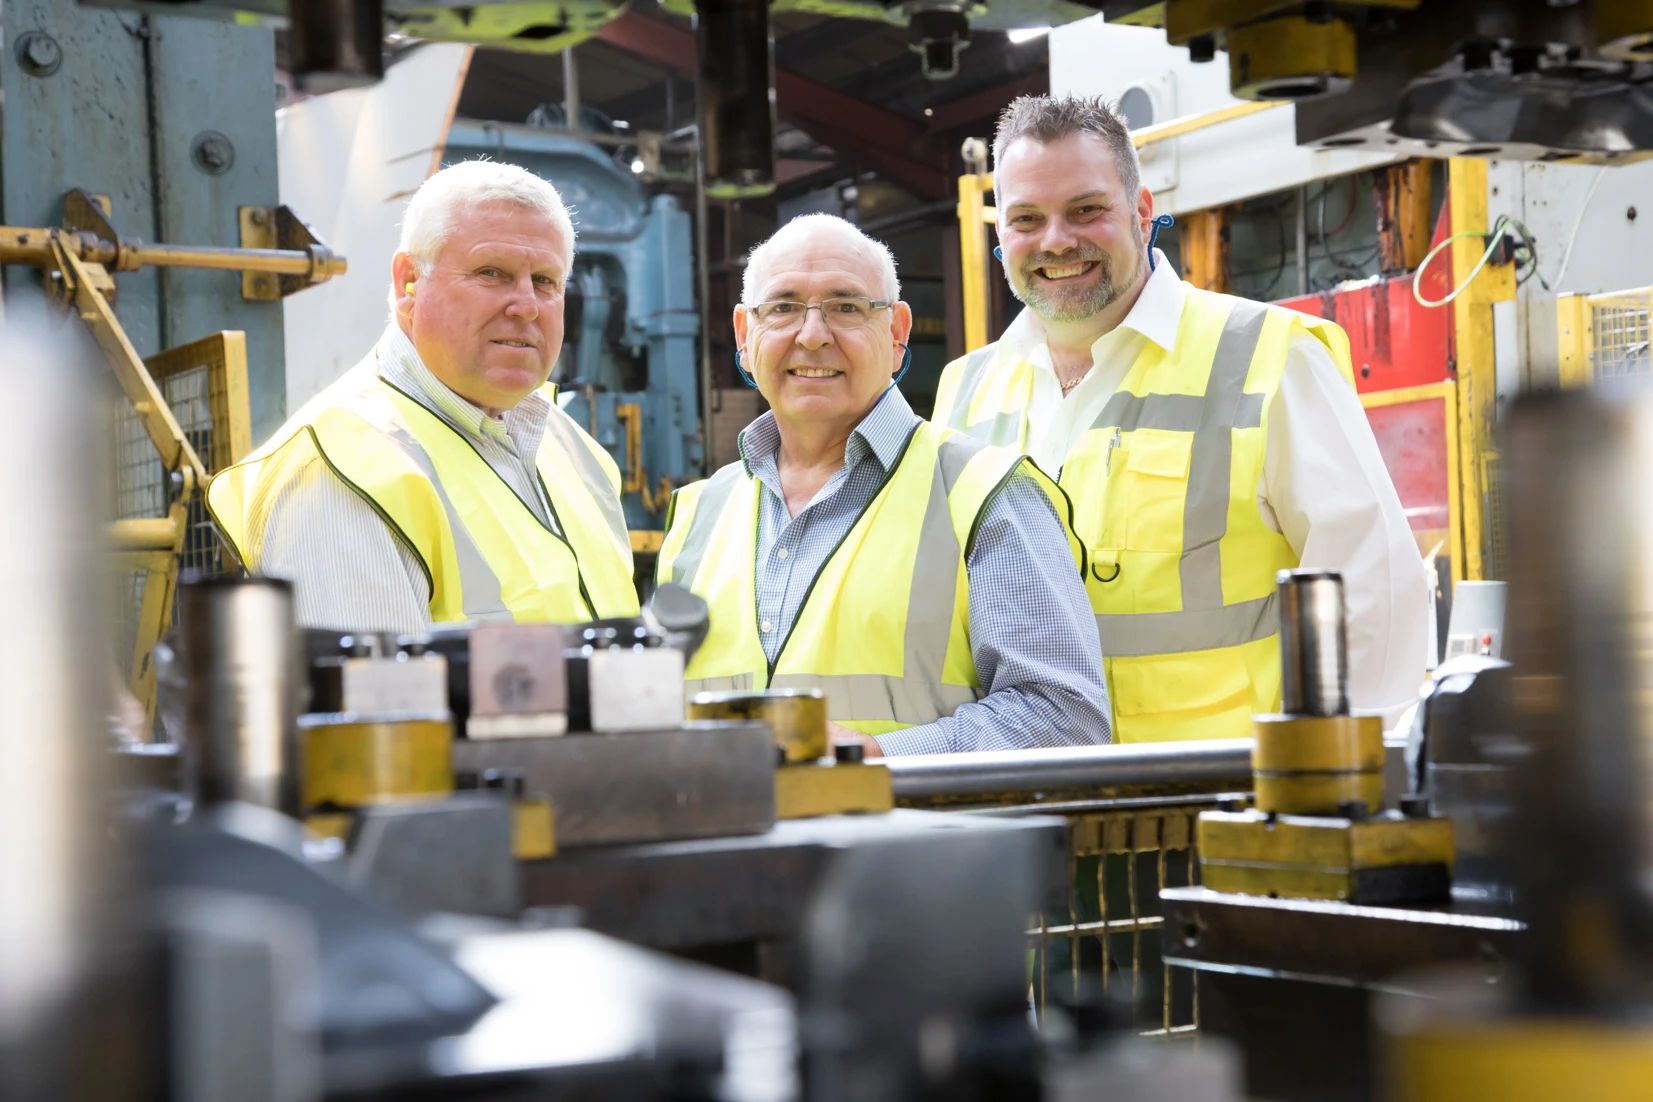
point(1313, 765)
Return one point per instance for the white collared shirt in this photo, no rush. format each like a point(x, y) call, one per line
point(1324, 485)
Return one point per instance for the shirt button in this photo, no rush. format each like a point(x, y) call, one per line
point(766, 627)
point(780, 553)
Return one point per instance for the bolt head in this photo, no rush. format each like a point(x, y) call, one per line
point(38, 54)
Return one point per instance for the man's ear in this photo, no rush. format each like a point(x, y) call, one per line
point(404, 277)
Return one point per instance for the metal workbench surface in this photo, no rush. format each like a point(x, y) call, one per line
point(749, 888)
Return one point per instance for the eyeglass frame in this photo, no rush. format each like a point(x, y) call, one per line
point(873, 303)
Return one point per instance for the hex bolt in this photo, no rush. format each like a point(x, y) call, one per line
point(38, 54)
point(259, 216)
point(212, 152)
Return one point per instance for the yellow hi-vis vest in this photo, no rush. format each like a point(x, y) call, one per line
point(1164, 486)
point(884, 629)
point(485, 553)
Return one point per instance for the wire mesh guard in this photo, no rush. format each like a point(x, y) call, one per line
point(1620, 334)
point(205, 384)
point(1118, 863)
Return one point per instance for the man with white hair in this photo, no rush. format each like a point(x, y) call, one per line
point(929, 584)
point(437, 480)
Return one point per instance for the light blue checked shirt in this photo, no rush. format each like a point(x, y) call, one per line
point(1031, 629)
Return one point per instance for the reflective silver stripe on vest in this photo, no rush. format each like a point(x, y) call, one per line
point(874, 698)
point(1128, 412)
point(708, 508)
point(735, 683)
point(953, 456)
point(480, 594)
point(1205, 511)
point(975, 370)
point(1204, 623)
point(1141, 634)
point(591, 472)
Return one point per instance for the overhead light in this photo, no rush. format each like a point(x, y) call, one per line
point(637, 165)
point(929, 111)
point(1027, 34)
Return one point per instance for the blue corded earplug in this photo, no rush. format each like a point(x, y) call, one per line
point(998, 254)
point(1158, 224)
point(751, 382)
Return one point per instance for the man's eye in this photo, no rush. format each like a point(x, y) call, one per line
point(489, 272)
point(782, 307)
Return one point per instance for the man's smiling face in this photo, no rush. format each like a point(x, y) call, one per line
point(1072, 239)
point(812, 371)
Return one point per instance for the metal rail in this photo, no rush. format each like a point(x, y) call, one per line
point(924, 776)
point(25, 245)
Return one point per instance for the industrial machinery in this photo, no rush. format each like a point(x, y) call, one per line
point(629, 366)
point(1571, 1020)
point(1317, 831)
point(1511, 79)
point(162, 469)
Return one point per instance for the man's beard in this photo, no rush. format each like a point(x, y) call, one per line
point(1100, 295)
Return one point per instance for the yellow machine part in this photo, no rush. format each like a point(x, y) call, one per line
point(1311, 857)
point(1308, 765)
point(1316, 793)
point(355, 763)
point(1528, 1060)
point(1625, 29)
point(533, 830)
point(1290, 58)
point(797, 716)
point(812, 790)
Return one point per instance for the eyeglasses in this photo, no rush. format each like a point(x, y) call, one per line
point(838, 313)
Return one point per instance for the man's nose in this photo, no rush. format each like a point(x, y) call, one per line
point(814, 332)
point(1058, 236)
point(525, 301)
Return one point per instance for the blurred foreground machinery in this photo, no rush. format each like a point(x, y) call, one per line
point(1516, 79)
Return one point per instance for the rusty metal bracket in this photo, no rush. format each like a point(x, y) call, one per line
point(279, 228)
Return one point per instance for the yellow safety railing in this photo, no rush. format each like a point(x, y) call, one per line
point(1604, 336)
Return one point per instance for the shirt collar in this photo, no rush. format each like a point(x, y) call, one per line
point(1156, 314)
point(882, 434)
point(401, 366)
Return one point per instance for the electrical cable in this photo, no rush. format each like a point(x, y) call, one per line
point(1572, 238)
point(1499, 229)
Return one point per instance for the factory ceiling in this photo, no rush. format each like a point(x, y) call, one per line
point(849, 94)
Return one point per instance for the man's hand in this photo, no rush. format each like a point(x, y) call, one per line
point(838, 735)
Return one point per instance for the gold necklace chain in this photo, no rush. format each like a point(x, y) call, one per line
point(1071, 383)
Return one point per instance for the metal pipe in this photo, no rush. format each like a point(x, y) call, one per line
point(703, 282)
point(570, 90)
point(244, 683)
point(26, 245)
point(737, 102)
point(1314, 646)
point(1007, 771)
point(1303, 240)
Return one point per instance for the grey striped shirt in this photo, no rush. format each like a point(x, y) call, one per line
point(1032, 634)
point(349, 570)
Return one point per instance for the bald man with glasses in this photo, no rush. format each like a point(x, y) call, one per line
point(930, 585)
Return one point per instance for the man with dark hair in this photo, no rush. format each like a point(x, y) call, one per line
point(1206, 441)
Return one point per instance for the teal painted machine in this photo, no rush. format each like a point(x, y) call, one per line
point(628, 371)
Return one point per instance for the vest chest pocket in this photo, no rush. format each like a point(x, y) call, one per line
point(1153, 488)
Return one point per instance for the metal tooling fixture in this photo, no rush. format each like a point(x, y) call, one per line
point(1571, 1022)
point(631, 297)
point(173, 119)
point(1319, 777)
point(811, 777)
point(1562, 81)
